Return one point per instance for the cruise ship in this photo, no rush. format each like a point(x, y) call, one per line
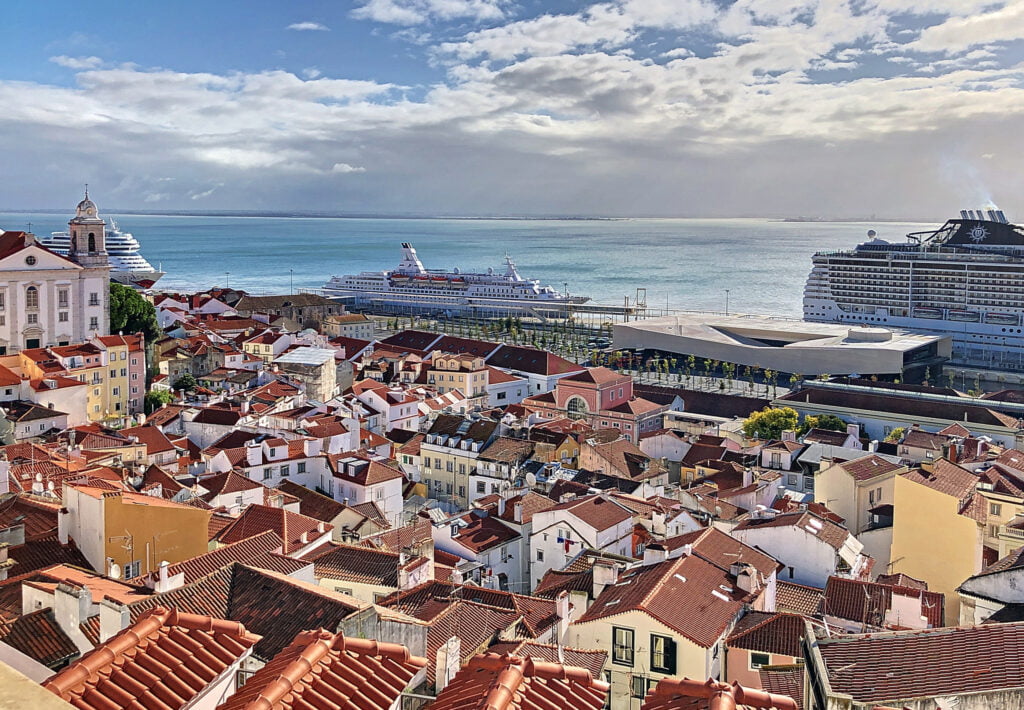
point(964, 279)
point(411, 286)
point(127, 265)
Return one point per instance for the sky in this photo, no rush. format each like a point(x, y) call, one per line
point(689, 108)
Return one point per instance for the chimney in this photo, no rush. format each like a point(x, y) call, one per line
point(311, 447)
point(304, 538)
point(501, 505)
point(746, 577)
point(114, 618)
point(562, 612)
point(5, 562)
point(853, 430)
point(244, 407)
point(606, 573)
point(873, 446)
point(71, 607)
point(449, 660)
point(517, 511)
point(789, 435)
point(253, 453)
point(658, 525)
point(655, 553)
point(63, 522)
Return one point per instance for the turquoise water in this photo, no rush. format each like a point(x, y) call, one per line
point(685, 263)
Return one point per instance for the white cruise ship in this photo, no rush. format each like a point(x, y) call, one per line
point(127, 265)
point(414, 287)
point(965, 279)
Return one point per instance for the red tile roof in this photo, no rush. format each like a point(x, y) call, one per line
point(259, 551)
point(592, 660)
point(945, 477)
point(483, 533)
point(532, 360)
point(829, 532)
point(723, 550)
point(289, 526)
point(900, 665)
point(798, 598)
point(320, 669)
point(163, 660)
point(785, 680)
point(492, 682)
point(686, 694)
point(355, 563)
point(775, 633)
point(867, 467)
point(39, 636)
point(596, 511)
point(868, 602)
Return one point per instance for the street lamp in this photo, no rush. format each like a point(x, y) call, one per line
point(227, 275)
point(291, 280)
point(726, 301)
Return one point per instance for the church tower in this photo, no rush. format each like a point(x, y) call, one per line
point(88, 238)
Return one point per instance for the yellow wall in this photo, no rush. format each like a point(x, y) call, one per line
point(454, 477)
point(933, 542)
point(174, 533)
point(691, 659)
point(364, 592)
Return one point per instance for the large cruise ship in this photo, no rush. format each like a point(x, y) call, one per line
point(414, 287)
point(127, 265)
point(965, 279)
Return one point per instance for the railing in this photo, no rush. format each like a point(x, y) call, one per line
point(1011, 533)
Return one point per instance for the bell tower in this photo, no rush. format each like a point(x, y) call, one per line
point(88, 236)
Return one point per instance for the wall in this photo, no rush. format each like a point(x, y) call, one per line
point(931, 541)
point(737, 666)
point(811, 559)
point(173, 533)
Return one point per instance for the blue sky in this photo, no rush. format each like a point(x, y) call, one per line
point(481, 107)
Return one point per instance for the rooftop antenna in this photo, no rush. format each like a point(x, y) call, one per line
point(87, 191)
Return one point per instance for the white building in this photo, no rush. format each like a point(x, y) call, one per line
point(46, 299)
point(559, 534)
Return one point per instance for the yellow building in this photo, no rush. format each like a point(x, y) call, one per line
point(135, 532)
point(938, 528)
point(449, 454)
point(466, 373)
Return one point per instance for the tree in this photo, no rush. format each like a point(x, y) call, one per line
point(131, 313)
point(824, 421)
point(769, 423)
point(156, 399)
point(186, 382)
point(895, 435)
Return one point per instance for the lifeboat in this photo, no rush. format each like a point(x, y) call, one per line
point(965, 316)
point(932, 313)
point(1002, 318)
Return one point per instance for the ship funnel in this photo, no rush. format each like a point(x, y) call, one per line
point(964, 214)
point(1000, 217)
point(992, 216)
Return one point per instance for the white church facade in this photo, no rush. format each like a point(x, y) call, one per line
point(46, 299)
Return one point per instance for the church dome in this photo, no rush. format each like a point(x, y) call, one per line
point(86, 204)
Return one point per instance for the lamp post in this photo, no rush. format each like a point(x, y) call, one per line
point(291, 280)
point(227, 276)
point(726, 301)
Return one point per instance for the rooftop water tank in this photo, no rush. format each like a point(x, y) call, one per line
point(869, 335)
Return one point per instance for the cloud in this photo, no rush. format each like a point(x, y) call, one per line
point(958, 34)
point(77, 62)
point(308, 27)
point(311, 73)
point(344, 168)
point(415, 12)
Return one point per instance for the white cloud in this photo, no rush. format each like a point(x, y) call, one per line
point(414, 12)
point(311, 73)
point(346, 168)
point(958, 34)
point(308, 27)
point(677, 53)
point(77, 62)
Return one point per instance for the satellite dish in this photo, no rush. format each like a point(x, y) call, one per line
point(531, 479)
point(115, 571)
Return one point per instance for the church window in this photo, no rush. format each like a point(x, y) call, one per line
point(32, 297)
point(30, 260)
point(62, 298)
point(33, 318)
point(92, 242)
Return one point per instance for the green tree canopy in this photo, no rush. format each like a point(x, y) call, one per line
point(769, 423)
point(823, 421)
point(131, 313)
point(156, 399)
point(186, 382)
point(895, 435)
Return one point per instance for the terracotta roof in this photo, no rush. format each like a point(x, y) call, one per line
point(903, 580)
point(867, 467)
point(785, 680)
point(825, 436)
point(507, 450)
point(554, 582)
point(687, 594)
point(289, 526)
point(686, 694)
point(482, 533)
point(532, 503)
point(241, 593)
point(592, 660)
point(38, 554)
point(258, 551)
point(869, 602)
point(320, 669)
point(532, 360)
point(165, 659)
point(723, 550)
point(227, 483)
point(412, 339)
point(492, 682)
point(798, 598)
point(39, 636)
point(218, 521)
point(38, 516)
point(362, 471)
point(596, 511)
point(154, 440)
point(777, 633)
point(898, 665)
point(418, 531)
point(945, 477)
point(356, 563)
point(828, 532)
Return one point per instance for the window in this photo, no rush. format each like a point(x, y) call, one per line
point(378, 493)
point(124, 372)
point(638, 686)
point(94, 323)
point(300, 467)
point(267, 473)
point(285, 470)
point(94, 299)
point(481, 487)
point(117, 391)
point(62, 317)
point(437, 464)
point(663, 654)
point(622, 646)
point(540, 555)
point(32, 297)
point(576, 408)
point(791, 480)
point(759, 660)
point(462, 491)
point(776, 460)
point(133, 569)
point(3, 300)
point(450, 465)
point(426, 462)
point(62, 298)
point(33, 318)
point(113, 374)
point(995, 509)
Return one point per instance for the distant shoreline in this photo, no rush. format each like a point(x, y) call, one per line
point(503, 218)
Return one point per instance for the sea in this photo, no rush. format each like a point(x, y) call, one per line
point(748, 265)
